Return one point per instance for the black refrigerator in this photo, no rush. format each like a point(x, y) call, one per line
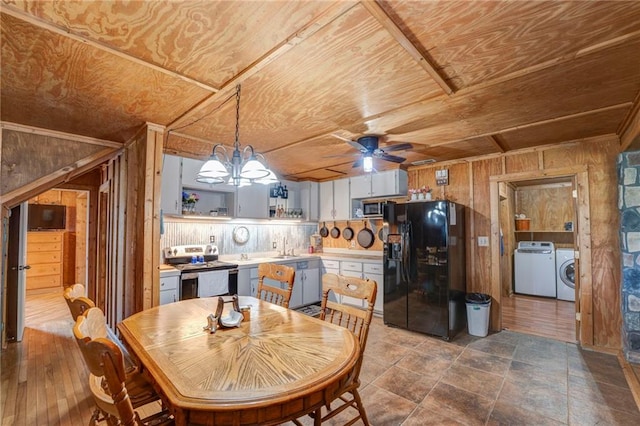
point(424, 267)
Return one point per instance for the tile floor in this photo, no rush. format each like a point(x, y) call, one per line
point(505, 378)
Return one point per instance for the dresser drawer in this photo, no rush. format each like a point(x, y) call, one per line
point(43, 269)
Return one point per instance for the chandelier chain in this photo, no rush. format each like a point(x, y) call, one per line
point(237, 116)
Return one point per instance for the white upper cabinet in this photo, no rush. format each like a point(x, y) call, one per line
point(389, 183)
point(341, 199)
point(252, 201)
point(326, 200)
point(309, 200)
point(171, 186)
point(335, 201)
point(361, 186)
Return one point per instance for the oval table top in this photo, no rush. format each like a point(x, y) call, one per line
point(254, 371)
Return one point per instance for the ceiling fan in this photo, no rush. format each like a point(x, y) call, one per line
point(368, 146)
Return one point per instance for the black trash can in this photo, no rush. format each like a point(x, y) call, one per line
point(478, 309)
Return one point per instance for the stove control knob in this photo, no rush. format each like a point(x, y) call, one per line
point(175, 252)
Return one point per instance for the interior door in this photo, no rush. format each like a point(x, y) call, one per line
point(16, 272)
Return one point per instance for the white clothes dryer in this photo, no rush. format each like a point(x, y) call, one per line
point(566, 274)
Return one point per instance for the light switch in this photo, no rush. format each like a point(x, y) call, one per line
point(483, 241)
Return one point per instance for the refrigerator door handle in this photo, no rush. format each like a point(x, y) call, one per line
point(406, 258)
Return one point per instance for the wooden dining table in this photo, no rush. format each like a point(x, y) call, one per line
point(274, 367)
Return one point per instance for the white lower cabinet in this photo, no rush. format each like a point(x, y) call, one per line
point(306, 287)
point(247, 281)
point(308, 278)
point(351, 269)
point(169, 289)
point(374, 272)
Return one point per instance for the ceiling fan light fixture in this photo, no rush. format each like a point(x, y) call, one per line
point(367, 163)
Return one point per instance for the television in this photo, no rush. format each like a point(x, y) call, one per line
point(46, 216)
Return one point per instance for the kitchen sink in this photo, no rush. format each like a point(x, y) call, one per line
point(287, 256)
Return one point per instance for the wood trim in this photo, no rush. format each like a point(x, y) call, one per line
point(332, 12)
point(68, 32)
point(496, 288)
point(472, 227)
point(497, 141)
point(584, 258)
point(632, 379)
point(59, 135)
point(630, 128)
point(421, 58)
point(151, 219)
point(580, 173)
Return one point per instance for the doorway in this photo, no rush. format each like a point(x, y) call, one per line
point(50, 247)
point(566, 226)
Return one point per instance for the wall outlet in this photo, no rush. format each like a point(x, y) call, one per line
point(274, 245)
point(483, 241)
point(212, 239)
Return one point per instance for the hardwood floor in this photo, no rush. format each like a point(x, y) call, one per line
point(539, 316)
point(44, 379)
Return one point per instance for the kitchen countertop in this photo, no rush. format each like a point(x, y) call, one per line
point(168, 270)
point(271, 257)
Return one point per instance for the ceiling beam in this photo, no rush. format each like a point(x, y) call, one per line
point(421, 58)
point(66, 32)
point(498, 142)
point(331, 13)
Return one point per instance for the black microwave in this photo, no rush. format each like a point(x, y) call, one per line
point(372, 209)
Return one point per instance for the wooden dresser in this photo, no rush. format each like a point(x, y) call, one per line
point(51, 256)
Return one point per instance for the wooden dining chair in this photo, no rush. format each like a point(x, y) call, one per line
point(116, 392)
point(78, 304)
point(355, 319)
point(76, 300)
point(281, 273)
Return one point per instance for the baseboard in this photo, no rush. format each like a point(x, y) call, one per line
point(632, 377)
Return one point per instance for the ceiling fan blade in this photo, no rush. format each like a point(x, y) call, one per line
point(398, 147)
point(358, 163)
point(357, 146)
point(392, 158)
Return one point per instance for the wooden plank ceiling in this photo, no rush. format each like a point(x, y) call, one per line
point(456, 79)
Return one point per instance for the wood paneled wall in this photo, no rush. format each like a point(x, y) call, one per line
point(128, 274)
point(469, 185)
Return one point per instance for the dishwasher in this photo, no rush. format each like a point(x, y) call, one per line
point(535, 268)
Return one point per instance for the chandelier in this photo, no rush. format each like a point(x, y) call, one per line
point(242, 168)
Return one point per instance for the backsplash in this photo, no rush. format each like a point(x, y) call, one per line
point(261, 235)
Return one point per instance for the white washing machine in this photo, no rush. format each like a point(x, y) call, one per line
point(566, 274)
point(535, 268)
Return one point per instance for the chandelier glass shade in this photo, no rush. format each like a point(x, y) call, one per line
point(242, 168)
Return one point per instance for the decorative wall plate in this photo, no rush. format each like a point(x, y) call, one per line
point(241, 234)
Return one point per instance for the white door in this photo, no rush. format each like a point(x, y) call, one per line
point(22, 270)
